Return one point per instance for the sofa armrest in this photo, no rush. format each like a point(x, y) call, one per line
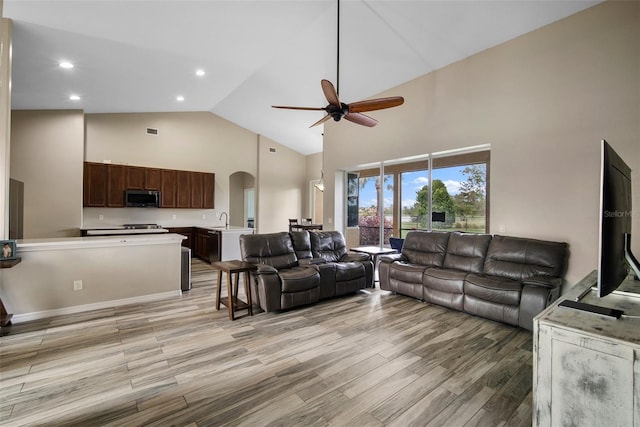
point(266, 269)
point(312, 261)
point(391, 258)
point(355, 257)
point(534, 299)
point(545, 281)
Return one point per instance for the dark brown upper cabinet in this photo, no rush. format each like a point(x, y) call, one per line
point(183, 181)
point(104, 186)
point(197, 190)
point(116, 185)
point(94, 188)
point(168, 188)
point(135, 178)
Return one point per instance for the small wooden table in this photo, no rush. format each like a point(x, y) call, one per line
point(233, 269)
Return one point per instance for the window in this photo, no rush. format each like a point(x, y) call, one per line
point(449, 193)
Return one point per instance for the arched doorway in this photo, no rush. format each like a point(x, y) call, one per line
point(242, 199)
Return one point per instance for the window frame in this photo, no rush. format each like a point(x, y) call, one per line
point(430, 163)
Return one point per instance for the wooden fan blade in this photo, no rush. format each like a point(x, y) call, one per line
point(330, 92)
point(322, 120)
point(299, 108)
point(361, 119)
point(375, 104)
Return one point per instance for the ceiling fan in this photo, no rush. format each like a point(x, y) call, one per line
point(337, 110)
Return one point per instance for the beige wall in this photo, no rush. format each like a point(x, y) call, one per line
point(543, 101)
point(46, 154)
point(313, 173)
point(281, 180)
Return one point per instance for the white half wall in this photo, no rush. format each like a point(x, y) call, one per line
point(113, 270)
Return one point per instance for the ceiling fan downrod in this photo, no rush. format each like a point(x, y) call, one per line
point(338, 50)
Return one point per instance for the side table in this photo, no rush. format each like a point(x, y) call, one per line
point(233, 269)
point(374, 251)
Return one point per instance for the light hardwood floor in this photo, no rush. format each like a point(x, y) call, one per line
point(370, 359)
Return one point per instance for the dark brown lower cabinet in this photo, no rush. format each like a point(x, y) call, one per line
point(203, 244)
point(187, 232)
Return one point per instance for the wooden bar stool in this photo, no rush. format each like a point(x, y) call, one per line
point(233, 270)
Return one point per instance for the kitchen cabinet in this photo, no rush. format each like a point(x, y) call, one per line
point(94, 191)
point(168, 188)
point(135, 178)
point(209, 191)
point(207, 245)
point(188, 233)
point(197, 190)
point(139, 178)
point(116, 175)
point(183, 189)
point(152, 179)
point(104, 186)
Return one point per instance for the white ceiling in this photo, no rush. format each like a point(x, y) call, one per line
point(138, 55)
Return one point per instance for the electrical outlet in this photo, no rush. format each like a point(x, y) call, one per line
point(77, 285)
point(173, 216)
point(100, 217)
point(502, 228)
point(204, 216)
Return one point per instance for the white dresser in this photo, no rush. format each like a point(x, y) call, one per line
point(586, 367)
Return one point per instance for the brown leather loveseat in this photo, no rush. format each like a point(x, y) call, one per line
point(507, 279)
point(302, 267)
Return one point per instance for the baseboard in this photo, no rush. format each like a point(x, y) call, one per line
point(37, 315)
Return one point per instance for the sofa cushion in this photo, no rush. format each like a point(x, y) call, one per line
point(275, 249)
point(520, 258)
point(496, 289)
point(408, 273)
point(301, 244)
point(426, 248)
point(466, 252)
point(329, 245)
point(508, 314)
point(444, 280)
point(299, 279)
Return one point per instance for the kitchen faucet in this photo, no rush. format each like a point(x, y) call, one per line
point(226, 219)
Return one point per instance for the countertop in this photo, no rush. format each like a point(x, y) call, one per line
point(28, 245)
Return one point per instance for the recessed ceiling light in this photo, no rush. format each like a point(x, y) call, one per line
point(180, 98)
point(200, 73)
point(74, 97)
point(66, 64)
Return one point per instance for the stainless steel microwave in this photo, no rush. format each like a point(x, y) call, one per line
point(142, 198)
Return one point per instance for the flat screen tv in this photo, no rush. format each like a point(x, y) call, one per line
point(615, 255)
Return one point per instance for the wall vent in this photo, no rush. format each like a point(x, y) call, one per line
point(152, 131)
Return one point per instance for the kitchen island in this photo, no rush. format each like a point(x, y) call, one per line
point(76, 274)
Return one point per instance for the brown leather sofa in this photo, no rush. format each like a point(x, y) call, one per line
point(507, 279)
point(302, 267)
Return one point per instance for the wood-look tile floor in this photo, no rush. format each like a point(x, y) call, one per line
point(368, 359)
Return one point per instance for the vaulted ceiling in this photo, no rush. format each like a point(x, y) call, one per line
point(140, 55)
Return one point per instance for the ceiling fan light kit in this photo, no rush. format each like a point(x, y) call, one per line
point(337, 110)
